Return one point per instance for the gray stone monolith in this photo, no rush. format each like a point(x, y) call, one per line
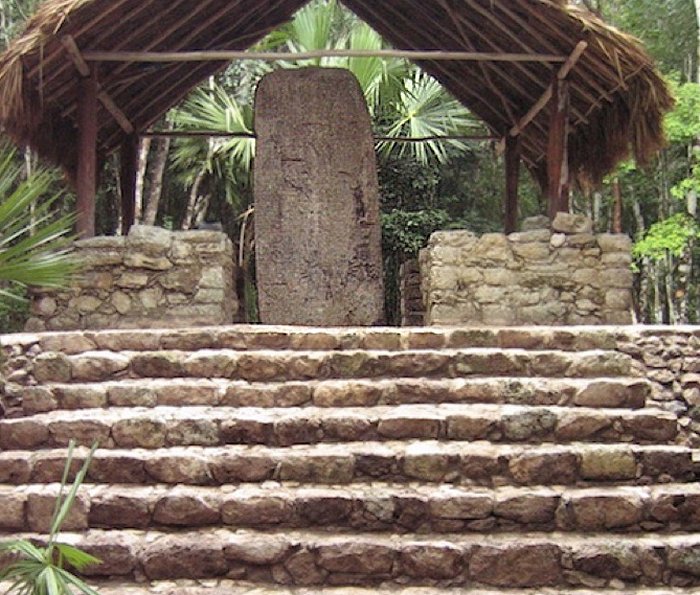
point(317, 228)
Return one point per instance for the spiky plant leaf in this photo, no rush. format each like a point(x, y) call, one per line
point(39, 571)
point(34, 248)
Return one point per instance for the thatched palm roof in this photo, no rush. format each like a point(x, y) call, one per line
point(618, 99)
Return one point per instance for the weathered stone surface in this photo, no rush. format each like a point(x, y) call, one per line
point(170, 557)
point(527, 278)
point(84, 432)
point(139, 433)
point(517, 566)
point(254, 511)
point(357, 558)
point(179, 469)
point(570, 223)
point(23, 434)
point(119, 511)
point(322, 180)
point(40, 508)
point(12, 517)
point(545, 469)
point(534, 508)
point(261, 551)
point(152, 278)
point(97, 366)
point(597, 512)
point(52, 367)
point(435, 562)
point(535, 223)
point(185, 510)
point(608, 464)
point(453, 506)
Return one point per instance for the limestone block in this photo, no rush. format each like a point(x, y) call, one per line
point(570, 223)
point(618, 299)
point(122, 302)
point(493, 246)
point(132, 280)
point(536, 235)
point(535, 223)
point(557, 240)
point(317, 227)
point(618, 278)
point(96, 280)
point(183, 279)
point(581, 240)
point(149, 240)
point(101, 258)
point(143, 261)
point(531, 251)
point(609, 242)
point(44, 307)
point(460, 238)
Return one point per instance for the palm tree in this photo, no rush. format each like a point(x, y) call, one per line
point(403, 101)
point(34, 247)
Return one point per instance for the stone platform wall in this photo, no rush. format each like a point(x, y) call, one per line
point(152, 278)
point(541, 276)
point(412, 309)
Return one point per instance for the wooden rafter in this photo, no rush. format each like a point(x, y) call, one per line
point(176, 91)
point(377, 138)
point(482, 66)
point(85, 71)
point(547, 95)
point(228, 56)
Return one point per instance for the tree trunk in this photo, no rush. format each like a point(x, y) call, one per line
point(155, 189)
point(645, 287)
point(144, 150)
point(617, 206)
point(191, 211)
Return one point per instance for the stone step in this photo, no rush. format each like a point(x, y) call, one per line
point(601, 393)
point(376, 507)
point(217, 426)
point(228, 587)
point(469, 463)
point(269, 366)
point(307, 558)
point(250, 337)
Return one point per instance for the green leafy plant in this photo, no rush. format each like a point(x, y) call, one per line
point(34, 246)
point(670, 236)
point(41, 570)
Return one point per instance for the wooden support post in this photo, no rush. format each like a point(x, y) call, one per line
point(557, 150)
point(512, 161)
point(129, 158)
point(87, 155)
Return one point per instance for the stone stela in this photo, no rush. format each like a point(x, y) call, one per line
point(317, 225)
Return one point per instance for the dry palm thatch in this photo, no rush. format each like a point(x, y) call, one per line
point(617, 97)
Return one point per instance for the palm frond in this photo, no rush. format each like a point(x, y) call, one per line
point(34, 248)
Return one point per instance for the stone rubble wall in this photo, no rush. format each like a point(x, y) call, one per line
point(541, 276)
point(412, 309)
point(669, 357)
point(151, 278)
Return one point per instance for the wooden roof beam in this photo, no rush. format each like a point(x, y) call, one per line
point(482, 66)
point(547, 95)
point(228, 56)
point(519, 66)
point(85, 71)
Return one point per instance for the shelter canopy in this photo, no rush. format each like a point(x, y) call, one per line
point(617, 98)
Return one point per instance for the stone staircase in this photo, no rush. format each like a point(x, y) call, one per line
point(284, 460)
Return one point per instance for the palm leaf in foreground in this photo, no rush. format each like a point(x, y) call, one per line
point(34, 247)
point(40, 570)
